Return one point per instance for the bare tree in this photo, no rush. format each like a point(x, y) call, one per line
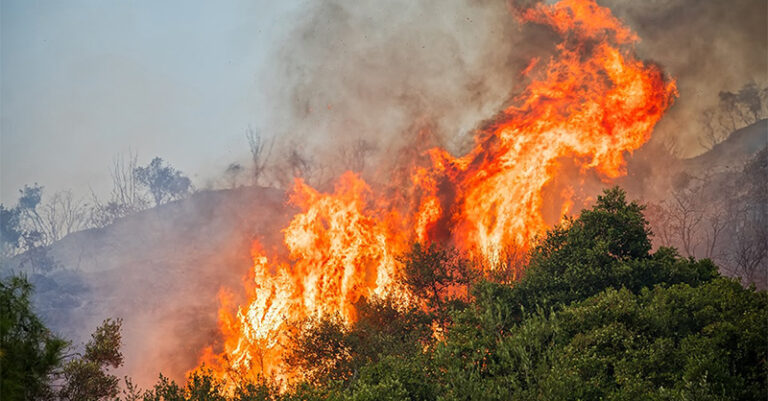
point(747, 251)
point(716, 223)
point(126, 188)
point(31, 226)
point(297, 164)
point(748, 254)
point(63, 215)
point(721, 216)
point(260, 152)
point(714, 129)
point(126, 196)
point(694, 218)
point(659, 218)
point(685, 215)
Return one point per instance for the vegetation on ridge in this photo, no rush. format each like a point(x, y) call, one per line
point(597, 315)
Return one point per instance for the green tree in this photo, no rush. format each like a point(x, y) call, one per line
point(202, 385)
point(10, 230)
point(327, 350)
point(321, 351)
point(678, 342)
point(165, 183)
point(606, 246)
point(666, 343)
point(20, 226)
point(597, 315)
point(649, 326)
point(29, 352)
point(86, 377)
point(438, 276)
point(393, 378)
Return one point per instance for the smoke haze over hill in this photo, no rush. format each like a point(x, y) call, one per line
point(322, 80)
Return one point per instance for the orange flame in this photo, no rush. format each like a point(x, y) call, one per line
point(341, 251)
point(589, 103)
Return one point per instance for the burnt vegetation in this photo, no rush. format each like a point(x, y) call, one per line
point(598, 314)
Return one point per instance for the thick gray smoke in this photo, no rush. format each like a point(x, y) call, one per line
point(380, 70)
point(708, 46)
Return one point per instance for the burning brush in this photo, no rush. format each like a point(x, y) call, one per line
point(588, 105)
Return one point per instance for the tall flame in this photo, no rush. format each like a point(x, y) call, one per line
point(590, 103)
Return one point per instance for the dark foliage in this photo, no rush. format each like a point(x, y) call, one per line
point(327, 350)
point(164, 183)
point(597, 316)
point(439, 277)
point(29, 352)
point(607, 246)
point(10, 230)
point(86, 378)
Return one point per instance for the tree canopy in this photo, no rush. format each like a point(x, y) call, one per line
point(598, 315)
point(165, 183)
point(29, 352)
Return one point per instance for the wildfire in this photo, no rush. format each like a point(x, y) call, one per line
point(589, 104)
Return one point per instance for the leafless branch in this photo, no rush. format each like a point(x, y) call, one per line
point(261, 150)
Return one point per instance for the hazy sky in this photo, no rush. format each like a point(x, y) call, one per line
point(83, 80)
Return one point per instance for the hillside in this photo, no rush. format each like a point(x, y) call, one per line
point(160, 270)
point(598, 315)
point(734, 150)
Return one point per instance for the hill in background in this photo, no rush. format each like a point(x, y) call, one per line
point(160, 270)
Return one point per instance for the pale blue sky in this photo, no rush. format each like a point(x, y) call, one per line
point(83, 80)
